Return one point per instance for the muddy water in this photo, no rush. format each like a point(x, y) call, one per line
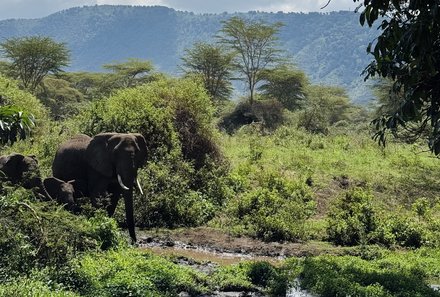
point(203, 254)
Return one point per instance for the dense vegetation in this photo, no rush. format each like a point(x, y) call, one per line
point(294, 164)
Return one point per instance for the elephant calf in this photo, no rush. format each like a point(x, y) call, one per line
point(63, 192)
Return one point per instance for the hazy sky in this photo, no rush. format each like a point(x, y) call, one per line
point(40, 8)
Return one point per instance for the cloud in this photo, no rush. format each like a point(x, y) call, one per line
point(31, 9)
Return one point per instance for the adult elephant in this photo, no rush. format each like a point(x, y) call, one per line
point(105, 163)
point(23, 171)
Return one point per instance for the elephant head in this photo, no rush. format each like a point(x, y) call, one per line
point(63, 192)
point(118, 156)
point(23, 171)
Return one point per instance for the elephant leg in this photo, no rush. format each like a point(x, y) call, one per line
point(97, 187)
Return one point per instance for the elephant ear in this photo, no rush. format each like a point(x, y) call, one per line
point(99, 154)
point(141, 157)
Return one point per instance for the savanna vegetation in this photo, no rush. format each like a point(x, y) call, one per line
point(291, 161)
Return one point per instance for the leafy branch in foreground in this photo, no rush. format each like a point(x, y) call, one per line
point(14, 124)
point(407, 52)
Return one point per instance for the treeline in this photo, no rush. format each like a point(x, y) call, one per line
point(329, 47)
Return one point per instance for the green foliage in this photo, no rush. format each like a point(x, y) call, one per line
point(14, 124)
point(352, 218)
point(60, 98)
point(255, 45)
point(325, 106)
point(407, 52)
point(268, 113)
point(214, 65)
point(250, 276)
point(170, 200)
point(12, 95)
point(27, 287)
point(35, 234)
point(173, 115)
point(33, 57)
point(133, 273)
point(285, 84)
point(341, 276)
point(274, 210)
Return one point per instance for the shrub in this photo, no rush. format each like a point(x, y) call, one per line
point(351, 276)
point(174, 115)
point(132, 273)
point(10, 94)
point(36, 234)
point(176, 195)
point(352, 219)
point(274, 211)
point(26, 287)
point(269, 113)
point(251, 276)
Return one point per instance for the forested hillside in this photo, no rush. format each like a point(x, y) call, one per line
point(329, 47)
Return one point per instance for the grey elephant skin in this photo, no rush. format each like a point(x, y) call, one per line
point(63, 192)
point(104, 164)
point(22, 171)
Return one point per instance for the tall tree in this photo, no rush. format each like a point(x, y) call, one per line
point(214, 64)
point(285, 84)
point(407, 52)
point(32, 58)
point(255, 43)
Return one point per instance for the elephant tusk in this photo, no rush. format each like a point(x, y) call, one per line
point(122, 184)
point(139, 187)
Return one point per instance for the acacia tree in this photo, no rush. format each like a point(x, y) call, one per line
point(214, 64)
point(130, 73)
point(32, 58)
point(255, 43)
point(407, 52)
point(285, 84)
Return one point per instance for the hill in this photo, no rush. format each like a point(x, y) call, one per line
point(329, 47)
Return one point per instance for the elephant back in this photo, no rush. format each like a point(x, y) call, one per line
point(69, 163)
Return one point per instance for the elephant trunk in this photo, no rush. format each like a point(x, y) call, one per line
point(128, 200)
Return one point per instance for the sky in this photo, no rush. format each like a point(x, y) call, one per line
point(40, 8)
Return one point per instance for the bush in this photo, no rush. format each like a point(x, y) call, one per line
point(26, 287)
point(352, 219)
point(10, 94)
point(174, 116)
point(351, 276)
point(37, 234)
point(250, 276)
point(132, 273)
point(268, 113)
point(324, 107)
point(274, 211)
